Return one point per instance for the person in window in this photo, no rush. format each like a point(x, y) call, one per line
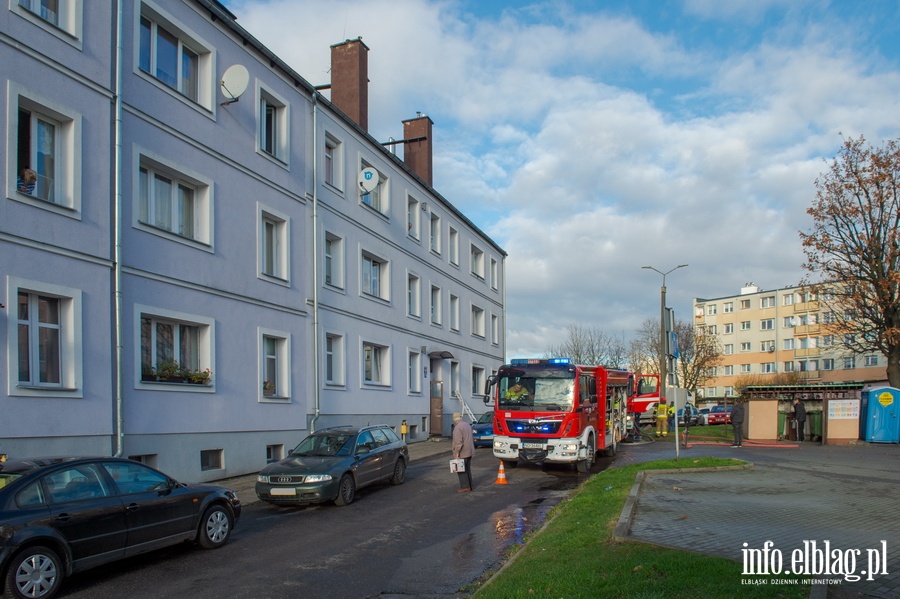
point(517, 392)
point(26, 181)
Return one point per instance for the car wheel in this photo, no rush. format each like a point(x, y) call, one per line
point(399, 472)
point(346, 491)
point(34, 573)
point(215, 527)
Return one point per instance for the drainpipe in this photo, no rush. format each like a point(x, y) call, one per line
point(315, 253)
point(117, 232)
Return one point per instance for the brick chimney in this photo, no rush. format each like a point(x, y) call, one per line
point(350, 80)
point(417, 146)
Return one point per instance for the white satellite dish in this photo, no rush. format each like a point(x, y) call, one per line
point(368, 179)
point(234, 83)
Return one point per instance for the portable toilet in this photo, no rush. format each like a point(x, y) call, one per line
point(882, 415)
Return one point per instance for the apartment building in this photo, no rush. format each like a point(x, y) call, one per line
point(763, 333)
point(192, 275)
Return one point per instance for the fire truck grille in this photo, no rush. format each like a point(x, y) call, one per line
point(528, 427)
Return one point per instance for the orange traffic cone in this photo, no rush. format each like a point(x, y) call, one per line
point(501, 475)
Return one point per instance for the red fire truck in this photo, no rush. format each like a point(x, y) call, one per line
point(647, 397)
point(551, 410)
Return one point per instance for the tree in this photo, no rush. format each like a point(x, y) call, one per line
point(590, 345)
point(853, 249)
point(698, 352)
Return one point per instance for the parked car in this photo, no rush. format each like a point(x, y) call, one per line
point(332, 464)
point(483, 430)
point(692, 411)
point(703, 419)
point(719, 415)
point(63, 515)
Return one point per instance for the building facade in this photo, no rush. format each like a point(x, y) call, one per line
point(788, 331)
point(193, 275)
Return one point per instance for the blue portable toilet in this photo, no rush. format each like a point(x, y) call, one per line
point(882, 415)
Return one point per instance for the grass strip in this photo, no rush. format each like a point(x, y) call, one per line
point(574, 555)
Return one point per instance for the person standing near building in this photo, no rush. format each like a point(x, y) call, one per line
point(737, 423)
point(799, 418)
point(463, 447)
point(662, 418)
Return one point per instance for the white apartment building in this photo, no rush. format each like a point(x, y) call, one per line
point(767, 332)
point(197, 205)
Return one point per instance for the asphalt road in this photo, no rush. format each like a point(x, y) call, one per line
point(421, 539)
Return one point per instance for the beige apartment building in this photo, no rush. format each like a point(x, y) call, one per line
point(763, 333)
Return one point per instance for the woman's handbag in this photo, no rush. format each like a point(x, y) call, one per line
point(457, 465)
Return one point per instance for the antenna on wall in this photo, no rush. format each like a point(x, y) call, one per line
point(234, 83)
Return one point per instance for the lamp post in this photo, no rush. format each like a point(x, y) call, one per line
point(663, 354)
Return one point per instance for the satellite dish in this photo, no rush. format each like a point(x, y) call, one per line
point(234, 83)
point(368, 179)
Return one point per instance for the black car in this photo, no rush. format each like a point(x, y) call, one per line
point(63, 515)
point(331, 464)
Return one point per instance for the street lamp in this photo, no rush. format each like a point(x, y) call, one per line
point(663, 354)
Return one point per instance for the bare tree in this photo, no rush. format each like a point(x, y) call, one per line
point(853, 248)
point(590, 345)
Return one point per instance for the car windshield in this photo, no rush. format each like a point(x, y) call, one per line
point(550, 394)
point(486, 418)
point(325, 444)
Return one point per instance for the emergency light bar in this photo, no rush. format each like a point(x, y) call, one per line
point(537, 361)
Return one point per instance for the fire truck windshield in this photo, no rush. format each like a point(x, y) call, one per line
point(537, 394)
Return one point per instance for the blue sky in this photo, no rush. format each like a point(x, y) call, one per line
point(590, 138)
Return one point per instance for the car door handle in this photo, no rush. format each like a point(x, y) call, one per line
point(132, 507)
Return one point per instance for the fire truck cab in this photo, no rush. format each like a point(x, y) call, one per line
point(551, 410)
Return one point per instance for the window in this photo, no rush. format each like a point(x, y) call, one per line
point(273, 247)
point(745, 369)
point(46, 343)
point(477, 259)
point(415, 378)
point(728, 349)
point(412, 217)
point(788, 344)
point(477, 321)
point(174, 341)
point(334, 359)
point(375, 280)
point(275, 364)
point(767, 302)
point(788, 366)
point(729, 370)
point(333, 262)
point(728, 307)
point(173, 203)
point(376, 364)
point(871, 360)
point(273, 125)
point(850, 363)
point(333, 163)
point(495, 329)
point(454, 312)
point(454, 247)
point(412, 296)
point(436, 317)
point(745, 346)
point(711, 310)
point(169, 54)
point(477, 380)
point(728, 329)
point(435, 234)
point(828, 364)
point(377, 199)
point(495, 278)
point(745, 325)
point(767, 324)
point(47, 156)
point(745, 304)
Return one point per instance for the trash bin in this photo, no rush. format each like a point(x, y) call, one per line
point(815, 425)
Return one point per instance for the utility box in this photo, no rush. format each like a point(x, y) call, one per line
point(881, 414)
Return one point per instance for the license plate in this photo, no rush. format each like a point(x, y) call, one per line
point(527, 445)
point(277, 491)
